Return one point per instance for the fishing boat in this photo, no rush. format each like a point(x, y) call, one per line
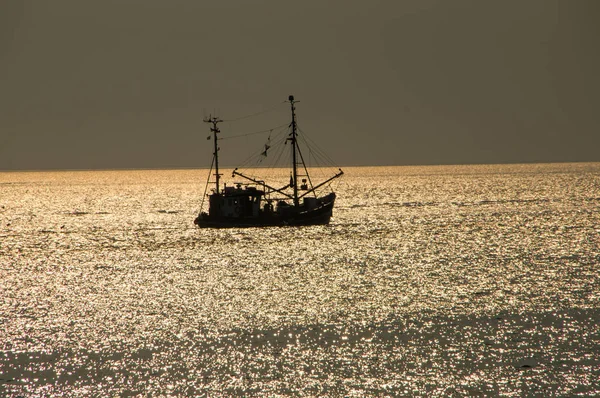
point(256, 203)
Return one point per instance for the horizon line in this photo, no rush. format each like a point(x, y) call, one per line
point(266, 167)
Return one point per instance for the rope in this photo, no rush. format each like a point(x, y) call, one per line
point(256, 132)
point(207, 182)
point(254, 114)
point(274, 144)
point(313, 145)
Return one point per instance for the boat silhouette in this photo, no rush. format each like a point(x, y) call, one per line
point(256, 203)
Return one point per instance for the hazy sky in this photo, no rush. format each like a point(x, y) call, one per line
point(126, 83)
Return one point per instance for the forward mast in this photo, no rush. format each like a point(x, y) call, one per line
point(215, 130)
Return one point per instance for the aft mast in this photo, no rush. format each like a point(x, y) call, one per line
point(214, 129)
point(294, 151)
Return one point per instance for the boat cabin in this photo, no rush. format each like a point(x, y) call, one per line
point(236, 202)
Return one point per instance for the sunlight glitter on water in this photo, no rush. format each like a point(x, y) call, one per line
point(430, 281)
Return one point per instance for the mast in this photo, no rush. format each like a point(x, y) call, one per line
point(214, 129)
point(294, 150)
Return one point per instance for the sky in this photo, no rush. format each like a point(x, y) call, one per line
point(126, 83)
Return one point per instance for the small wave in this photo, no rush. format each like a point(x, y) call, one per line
point(78, 213)
point(503, 201)
point(409, 204)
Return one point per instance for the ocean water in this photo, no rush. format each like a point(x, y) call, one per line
point(430, 281)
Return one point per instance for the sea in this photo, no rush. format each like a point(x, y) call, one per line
point(430, 281)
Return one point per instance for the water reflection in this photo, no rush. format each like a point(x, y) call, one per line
point(473, 280)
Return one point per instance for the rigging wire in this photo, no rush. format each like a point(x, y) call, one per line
point(281, 146)
point(280, 140)
point(316, 148)
point(279, 152)
point(254, 133)
point(254, 114)
point(322, 160)
point(207, 182)
point(275, 141)
point(319, 156)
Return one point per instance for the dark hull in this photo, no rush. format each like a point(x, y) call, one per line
point(318, 216)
